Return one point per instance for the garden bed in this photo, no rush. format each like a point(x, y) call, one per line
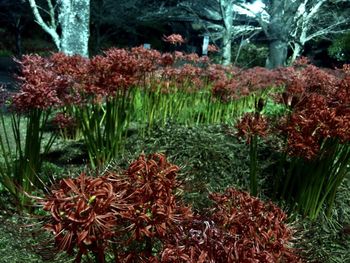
point(125, 141)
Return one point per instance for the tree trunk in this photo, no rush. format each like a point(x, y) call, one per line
point(74, 18)
point(18, 41)
point(277, 54)
point(297, 49)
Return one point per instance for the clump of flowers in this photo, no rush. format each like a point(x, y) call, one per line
point(213, 48)
point(315, 132)
point(240, 228)
point(64, 121)
point(154, 209)
point(81, 214)
point(301, 62)
point(138, 211)
point(252, 125)
point(66, 124)
point(175, 39)
point(38, 85)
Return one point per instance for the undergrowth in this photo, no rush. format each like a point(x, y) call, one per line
point(211, 159)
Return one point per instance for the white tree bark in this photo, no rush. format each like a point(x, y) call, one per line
point(226, 7)
point(73, 20)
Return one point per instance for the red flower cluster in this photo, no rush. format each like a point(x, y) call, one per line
point(241, 228)
point(213, 48)
point(319, 102)
point(138, 211)
point(241, 83)
point(64, 121)
point(59, 80)
point(82, 214)
point(138, 205)
point(174, 39)
point(250, 125)
point(39, 85)
point(301, 62)
point(153, 209)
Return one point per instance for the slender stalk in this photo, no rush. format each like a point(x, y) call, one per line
point(253, 154)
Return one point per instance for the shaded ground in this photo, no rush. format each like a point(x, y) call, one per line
point(7, 70)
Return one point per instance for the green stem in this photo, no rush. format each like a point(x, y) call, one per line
point(253, 154)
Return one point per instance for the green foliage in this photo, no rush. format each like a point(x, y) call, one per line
point(21, 148)
point(210, 158)
point(5, 53)
point(103, 127)
point(249, 55)
point(340, 48)
point(21, 243)
point(272, 109)
point(327, 240)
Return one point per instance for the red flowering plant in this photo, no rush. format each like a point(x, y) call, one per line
point(66, 124)
point(40, 91)
point(251, 127)
point(81, 214)
point(213, 48)
point(154, 213)
point(137, 213)
point(177, 84)
point(258, 231)
point(174, 39)
point(240, 228)
point(107, 89)
point(317, 139)
point(240, 88)
point(133, 212)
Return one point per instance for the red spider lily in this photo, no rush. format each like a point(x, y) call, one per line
point(179, 55)
point(38, 85)
point(259, 235)
point(315, 117)
point(244, 82)
point(49, 82)
point(250, 125)
point(213, 48)
point(147, 59)
point(167, 59)
point(117, 70)
point(82, 214)
point(241, 228)
point(192, 57)
point(312, 122)
point(301, 62)
point(140, 206)
point(154, 209)
point(174, 39)
point(346, 69)
point(64, 121)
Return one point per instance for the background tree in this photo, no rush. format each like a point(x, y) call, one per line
point(14, 15)
point(221, 21)
point(67, 23)
point(108, 17)
point(340, 48)
point(217, 18)
point(293, 23)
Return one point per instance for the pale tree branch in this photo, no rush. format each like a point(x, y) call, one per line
point(50, 30)
point(52, 14)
